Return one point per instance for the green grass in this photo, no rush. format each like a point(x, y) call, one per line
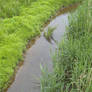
point(15, 33)
point(73, 59)
point(12, 8)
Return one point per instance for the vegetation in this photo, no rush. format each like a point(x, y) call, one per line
point(12, 8)
point(49, 34)
point(73, 58)
point(15, 32)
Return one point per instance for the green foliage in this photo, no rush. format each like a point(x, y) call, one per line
point(73, 59)
point(12, 8)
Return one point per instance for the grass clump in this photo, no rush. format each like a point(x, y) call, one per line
point(49, 33)
point(17, 31)
point(73, 58)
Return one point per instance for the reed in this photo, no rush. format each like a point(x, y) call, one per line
point(72, 61)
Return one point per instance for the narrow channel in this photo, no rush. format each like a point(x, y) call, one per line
point(28, 76)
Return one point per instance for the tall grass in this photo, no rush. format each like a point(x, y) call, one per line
point(73, 59)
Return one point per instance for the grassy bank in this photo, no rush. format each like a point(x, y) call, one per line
point(73, 59)
point(17, 31)
point(12, 8)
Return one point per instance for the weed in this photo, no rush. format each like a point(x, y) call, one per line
point(49, 34)
point(73, 59)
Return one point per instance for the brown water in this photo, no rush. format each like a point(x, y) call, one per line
point(28, 77)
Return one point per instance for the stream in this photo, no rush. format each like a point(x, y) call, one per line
point(27, 78)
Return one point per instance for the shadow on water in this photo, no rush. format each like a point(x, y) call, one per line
point(27, 77)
